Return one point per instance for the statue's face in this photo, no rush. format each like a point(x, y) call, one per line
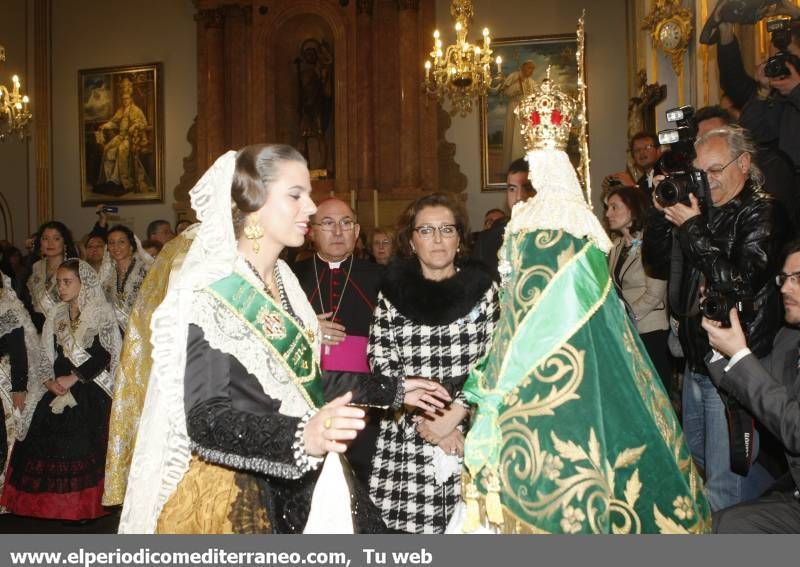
point(310, 55)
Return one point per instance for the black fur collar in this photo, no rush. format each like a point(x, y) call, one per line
point(431, 302)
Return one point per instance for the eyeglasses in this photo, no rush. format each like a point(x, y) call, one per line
point(446, 231)
point(381, 243)
point(782, 278)
point(329, 225)
point(646, 148)
point(717, 169)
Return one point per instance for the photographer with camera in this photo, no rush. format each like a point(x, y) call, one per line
point(730, 246)
point(770, 389)
point(770, 103)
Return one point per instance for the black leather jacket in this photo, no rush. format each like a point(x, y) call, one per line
point(740, 242)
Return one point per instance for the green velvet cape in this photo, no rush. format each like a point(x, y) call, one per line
point(573, 431)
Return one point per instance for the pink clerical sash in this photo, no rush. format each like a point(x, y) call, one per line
point(350, 355)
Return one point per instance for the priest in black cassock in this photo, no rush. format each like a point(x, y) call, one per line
point(343, 291)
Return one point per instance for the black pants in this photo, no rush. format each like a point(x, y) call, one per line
point(777, 512)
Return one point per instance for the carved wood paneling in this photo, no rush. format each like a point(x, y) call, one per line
point(382, 125)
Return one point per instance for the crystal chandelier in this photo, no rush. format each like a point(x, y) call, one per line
point(462, 71)
point(14, 111)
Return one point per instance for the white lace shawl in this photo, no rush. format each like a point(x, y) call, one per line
point(559, 203)
point(96, 319)
point(43, 296)
point(228, 334)
point(123, 302)
point(13, 315)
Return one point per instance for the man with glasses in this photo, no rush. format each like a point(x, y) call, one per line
point(645, 151)
point(770, 388)
point(733, 246)
point(343, 291)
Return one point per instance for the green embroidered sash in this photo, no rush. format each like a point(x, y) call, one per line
point(277, 330)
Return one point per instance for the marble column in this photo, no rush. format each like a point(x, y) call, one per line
point(211, 88)
point(410, 70)
point(366, 138)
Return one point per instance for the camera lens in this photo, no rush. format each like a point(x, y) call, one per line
point(715, 308)
point(668, 193)
point(776, 66)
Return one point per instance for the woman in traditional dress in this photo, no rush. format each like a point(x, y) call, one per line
point(53, 245)
point(131, 264)
point(434, 319)
point(57, 471)
point(234, 430)
point(645, 298)
point(21, 370)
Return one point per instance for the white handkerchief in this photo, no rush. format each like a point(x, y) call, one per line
point(60, 402)
point(444, 465)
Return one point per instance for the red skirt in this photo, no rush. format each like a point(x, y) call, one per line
point(79, 505)
point(57, 471)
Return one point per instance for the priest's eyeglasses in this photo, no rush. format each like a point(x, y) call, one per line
point(793, 278)
point(426, 231)
point(329, 225)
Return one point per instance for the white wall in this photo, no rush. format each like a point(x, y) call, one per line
point(104, 33)
point(607, 80)
point(13, 154)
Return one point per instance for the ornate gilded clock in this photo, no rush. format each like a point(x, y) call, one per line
point(670, 25)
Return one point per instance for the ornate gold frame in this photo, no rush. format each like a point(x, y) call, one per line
point(487, 183)
point(148, 93)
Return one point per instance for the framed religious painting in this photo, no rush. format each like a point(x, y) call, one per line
point(525, 63)
point(121, 128)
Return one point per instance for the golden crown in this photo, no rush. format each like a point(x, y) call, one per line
point(545, 117)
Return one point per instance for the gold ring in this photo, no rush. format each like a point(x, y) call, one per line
point(327, 423)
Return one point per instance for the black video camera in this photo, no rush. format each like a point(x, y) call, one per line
point(780, 31)
point(682, 178)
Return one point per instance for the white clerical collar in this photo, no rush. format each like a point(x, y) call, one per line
point(332, 265)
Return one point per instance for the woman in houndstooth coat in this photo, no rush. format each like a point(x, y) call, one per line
point(434, 319)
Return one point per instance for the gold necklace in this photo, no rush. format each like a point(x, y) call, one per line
point(74, 323)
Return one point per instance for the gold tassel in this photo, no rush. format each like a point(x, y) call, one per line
point(473, 520)
point(494, 510)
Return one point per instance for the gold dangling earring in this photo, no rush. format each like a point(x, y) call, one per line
point(253, 231)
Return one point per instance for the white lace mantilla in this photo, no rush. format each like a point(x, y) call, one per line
point(123, 302)
point(44, 294)
point(13, 315)
point(559, 203)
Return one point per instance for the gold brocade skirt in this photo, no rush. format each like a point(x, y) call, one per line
point(212, 499)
